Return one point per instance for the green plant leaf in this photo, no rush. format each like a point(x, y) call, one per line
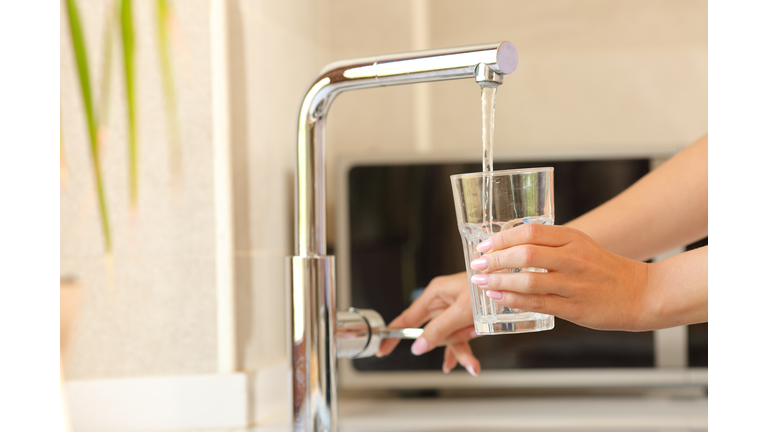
point(81, 58)
point(126, 25)
point(106, 73)
point(163, 16)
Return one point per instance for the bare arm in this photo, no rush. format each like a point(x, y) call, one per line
point(596, 275)
point(665, 209)
point(677, 291)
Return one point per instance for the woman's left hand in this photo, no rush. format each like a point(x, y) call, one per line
point(584, 283)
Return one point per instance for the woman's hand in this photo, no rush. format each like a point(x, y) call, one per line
point(445, 303)
point(584, 283)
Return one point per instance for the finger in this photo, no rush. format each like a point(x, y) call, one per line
point(442, 289)
point(541, 303)
point(522, 256)
point(456, 317)
point(465, 334)
point(449, 361)
point(542, 235)
point(463, 353)
point(415, 316)
point(387, 346)
point(526, 283)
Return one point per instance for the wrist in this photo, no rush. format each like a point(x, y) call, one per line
point(653, 306)
point(646, 302)
point(677, 291)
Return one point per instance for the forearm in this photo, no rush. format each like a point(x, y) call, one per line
point(665, 209)
point(677, 291)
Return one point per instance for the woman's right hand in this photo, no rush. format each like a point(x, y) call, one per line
point(445, 303)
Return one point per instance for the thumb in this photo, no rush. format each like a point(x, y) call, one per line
point(456, 317)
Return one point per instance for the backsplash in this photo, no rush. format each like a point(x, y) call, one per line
point(601, 73)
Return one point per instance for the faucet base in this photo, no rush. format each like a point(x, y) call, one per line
point(312, 282)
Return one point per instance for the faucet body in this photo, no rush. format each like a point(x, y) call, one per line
point(311, 273)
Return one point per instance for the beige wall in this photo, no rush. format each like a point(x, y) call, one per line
point(599, 73)
point(154, 313)
point(596, 73)
point(276, 48)
point(592, 73)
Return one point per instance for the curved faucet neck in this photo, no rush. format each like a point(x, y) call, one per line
point(312, 273)
point(488, 62)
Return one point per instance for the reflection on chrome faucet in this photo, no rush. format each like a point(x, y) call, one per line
point(314, 322)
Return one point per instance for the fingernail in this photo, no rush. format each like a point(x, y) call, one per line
point(420, 346)
point(496, 295)
point(471, 370)
point(473, 334)
point(480, 279)
point(479, 264)
point(484, 246)
point(445, 368)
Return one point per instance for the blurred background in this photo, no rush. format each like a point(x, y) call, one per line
point(190, 281)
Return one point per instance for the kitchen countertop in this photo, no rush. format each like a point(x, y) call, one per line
point(542, 414)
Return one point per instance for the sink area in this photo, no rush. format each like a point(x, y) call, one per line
point(518, 414)
point(523, 414)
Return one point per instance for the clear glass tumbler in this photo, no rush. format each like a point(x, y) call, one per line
point(491, 202)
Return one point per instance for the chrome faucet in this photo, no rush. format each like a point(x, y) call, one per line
point(320, 334)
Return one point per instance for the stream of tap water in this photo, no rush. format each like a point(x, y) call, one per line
point(488, 103)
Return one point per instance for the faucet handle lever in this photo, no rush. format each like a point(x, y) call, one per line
point(403, 333)
point(359, 333)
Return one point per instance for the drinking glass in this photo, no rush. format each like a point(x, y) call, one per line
point(491, 202)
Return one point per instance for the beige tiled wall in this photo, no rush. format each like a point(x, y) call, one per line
point(153, 311)
point(276, 48)
point(592, 73)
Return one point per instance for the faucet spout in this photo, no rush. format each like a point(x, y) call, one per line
point(311, 272)
point(484, 74)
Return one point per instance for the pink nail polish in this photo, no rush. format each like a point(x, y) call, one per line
point(480, 279)
point(479, 264)
point(420, 346)
point(484, 246)
point(471, 370)
point(496, 295)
